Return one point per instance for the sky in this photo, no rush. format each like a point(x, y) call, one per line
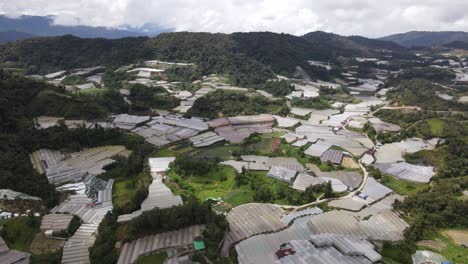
point(370, 18)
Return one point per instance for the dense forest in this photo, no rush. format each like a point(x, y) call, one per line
point(49, 54)
point(243, 57)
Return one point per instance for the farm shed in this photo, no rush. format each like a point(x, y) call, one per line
point(56, 222)
point(160, 164)
point(76, 249)
point(352, 179)
point(205, 139)
point(286, 122)
point(350, 204)
point(291, 137)
point(324, 249)
point(374, 190)
point(168, 240)
point(12, 195)
point(44, 158)
point(251, 219)
point(427, 257)
point(318, 148)
point(282, 174)
point(288, 218)
point(8, 256)
point(285, 162)
point(382, 226)
point(43, 122)
point(303, 181)
point(333, 156)
point(125, 121)
point(407, 171)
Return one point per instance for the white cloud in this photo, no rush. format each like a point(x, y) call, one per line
point(347, 17)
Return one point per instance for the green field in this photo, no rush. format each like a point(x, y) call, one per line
point(156, 258)
point(219, 183)
point(93, 91)
point(19, 232)
point(452, 251)
point(126, 189)
point(402, 187)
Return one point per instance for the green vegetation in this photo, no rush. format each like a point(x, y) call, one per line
point(184, 74)
point(318, 103)
point(452, 251)
point(213, 53)
point(451, 159)
point(436, 207)
point(270, 190)
point(155, 258)
point(73, 80)
point(130, 192)
point(203, 178)
point(152, 97)
point(402, 187)
point(427, 73)
point(370, 131)
point(50, 54)
point(397, 253)
point(19, 232)
point(422, 93)
point(49, 258)
point(403, 117)
point(229, 103)
point(278, 88)
point(436, 127)
point(54, 102)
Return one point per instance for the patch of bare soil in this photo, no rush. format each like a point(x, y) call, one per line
point(42, 244)
point(458, 236)
point(437, 245)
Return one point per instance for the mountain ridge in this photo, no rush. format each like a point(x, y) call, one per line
point(426, 38)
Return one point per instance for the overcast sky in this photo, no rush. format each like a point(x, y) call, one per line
point(371, 18)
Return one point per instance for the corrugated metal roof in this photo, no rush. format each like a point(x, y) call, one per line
point(333, 156)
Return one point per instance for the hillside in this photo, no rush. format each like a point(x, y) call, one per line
point(248, 59)
point(49, 54)
point(12, 35)
point(426, 38)
point(335, 45)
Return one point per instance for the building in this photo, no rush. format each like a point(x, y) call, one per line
point(8, 256)
point(333, 156)
point(282, 174)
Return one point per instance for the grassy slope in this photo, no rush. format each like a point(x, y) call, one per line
point(156, 258)
point(402, 187)
point(452, 251)
point(125, 189)
point(18, 233)
point(212, 185)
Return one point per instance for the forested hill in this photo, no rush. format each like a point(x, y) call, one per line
point(247, 58)
point(336, 45)
point(49, 54)
point(426, 38)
